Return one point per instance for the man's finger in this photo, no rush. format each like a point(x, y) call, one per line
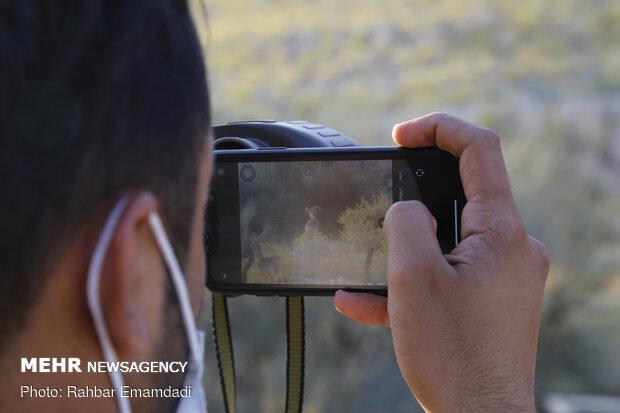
point(414, 254)
point(364, 308)
point(482, 167)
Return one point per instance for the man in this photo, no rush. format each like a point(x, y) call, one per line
point(103, 108)
point(104, 118)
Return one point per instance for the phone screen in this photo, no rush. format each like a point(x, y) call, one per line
point(318, 222)
point(315, 223)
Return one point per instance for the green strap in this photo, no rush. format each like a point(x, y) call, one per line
point(224, 351)
point(295, 353)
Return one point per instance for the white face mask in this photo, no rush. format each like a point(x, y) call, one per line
point(195, 338)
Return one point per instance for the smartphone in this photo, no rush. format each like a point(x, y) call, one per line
point(309, 221)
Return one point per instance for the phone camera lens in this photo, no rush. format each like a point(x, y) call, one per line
point(419, 173)
point(210, 248)
point(223, 275)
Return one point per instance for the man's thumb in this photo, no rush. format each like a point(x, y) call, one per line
point(414, 253)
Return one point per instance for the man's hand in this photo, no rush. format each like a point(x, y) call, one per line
point(465, 324)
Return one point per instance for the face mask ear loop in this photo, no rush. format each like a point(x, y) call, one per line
point(94, 302)
point(179, 284)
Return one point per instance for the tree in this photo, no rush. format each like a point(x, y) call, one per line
point(362, 225)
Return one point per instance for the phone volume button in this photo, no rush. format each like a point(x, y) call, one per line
point(271, 148)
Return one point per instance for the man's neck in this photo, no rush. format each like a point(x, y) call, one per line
point(56, 327)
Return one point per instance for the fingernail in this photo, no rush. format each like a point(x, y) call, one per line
point(339, 292)
point(394, 130)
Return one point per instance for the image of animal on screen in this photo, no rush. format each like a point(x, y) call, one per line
point(314, 222)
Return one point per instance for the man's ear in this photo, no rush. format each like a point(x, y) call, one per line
point(133, 282)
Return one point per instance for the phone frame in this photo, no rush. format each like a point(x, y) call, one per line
point(282, 154)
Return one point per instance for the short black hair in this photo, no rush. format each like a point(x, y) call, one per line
point(97, 98)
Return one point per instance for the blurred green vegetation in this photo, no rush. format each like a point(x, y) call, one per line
point(544, 74)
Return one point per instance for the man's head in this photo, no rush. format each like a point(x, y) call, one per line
point(99, 99)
